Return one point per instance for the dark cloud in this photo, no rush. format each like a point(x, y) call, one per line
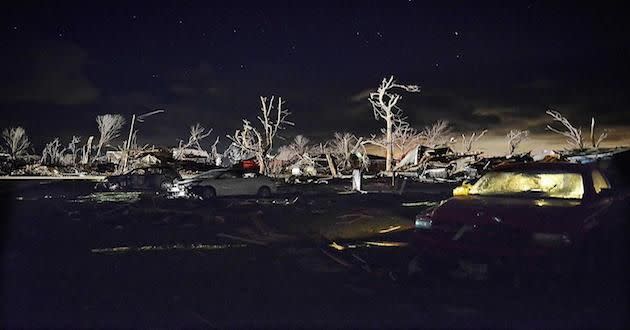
point(49, 73)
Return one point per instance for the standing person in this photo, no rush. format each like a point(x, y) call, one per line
point(356, 173)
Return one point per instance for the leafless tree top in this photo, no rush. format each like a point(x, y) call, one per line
point(109, 127)
point(435, 134)
point(467, 143)
point(595, 143)
point(16, 141)
point(259, 140)
point(514, 138)
point(573, 135)
point(299, 145)
point(384, 99)
point(272, 120)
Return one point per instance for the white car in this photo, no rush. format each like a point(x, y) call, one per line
point(225, 182)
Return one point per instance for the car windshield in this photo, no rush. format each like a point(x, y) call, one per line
point(536, 184)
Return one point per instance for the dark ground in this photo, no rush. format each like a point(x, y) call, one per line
point(145, 261)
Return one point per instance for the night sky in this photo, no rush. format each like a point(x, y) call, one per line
point(480, 65)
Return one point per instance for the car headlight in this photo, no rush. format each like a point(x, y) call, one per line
point(551, 239)
point(422, 222)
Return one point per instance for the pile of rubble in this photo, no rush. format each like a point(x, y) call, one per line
point(442, 164)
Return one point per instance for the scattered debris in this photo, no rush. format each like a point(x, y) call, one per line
point(592, 155)
point(107, 197)
point(387, 244)
point(199, 246)
point(336, 246)
point(390, 229)
point(421, 203)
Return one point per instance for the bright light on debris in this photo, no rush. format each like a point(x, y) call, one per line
point(390, 229)
point(421, 203)
point(387, 244)
point(188, 247)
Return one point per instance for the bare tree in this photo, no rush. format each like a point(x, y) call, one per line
point(73, 148)
point(467, 143)
point(16, 141)
point(297, 153)
point(109, 127)
point(131, 147)
point(435, 134)
point(384, 106)
point(214, 153)
point(86, 150)
point(343, 146)
point(299, 146)
point(259, 141)
point(601, 137)
point(52, 153)
point(197, 133)
point(514, 138)
point(404, 137)
point(573, 135)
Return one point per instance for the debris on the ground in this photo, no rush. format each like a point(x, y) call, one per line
point(389, 229)
point(105, 197)
point(336, 246)
point(593, 155)
point(198, 246)
point(421, 203)
point(387, 244)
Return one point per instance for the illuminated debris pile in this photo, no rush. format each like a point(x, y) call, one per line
point(37, 170)
point(193, 151)
point(192, 155)
point(593, 155)
point(613, 161)
point(304, 162)
point(440, 163)
point(135, 158)
point(299, 166)
point(482, 165)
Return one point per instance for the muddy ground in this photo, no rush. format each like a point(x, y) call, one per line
point(75, 258)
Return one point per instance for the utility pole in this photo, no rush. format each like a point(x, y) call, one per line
point(140, 119)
